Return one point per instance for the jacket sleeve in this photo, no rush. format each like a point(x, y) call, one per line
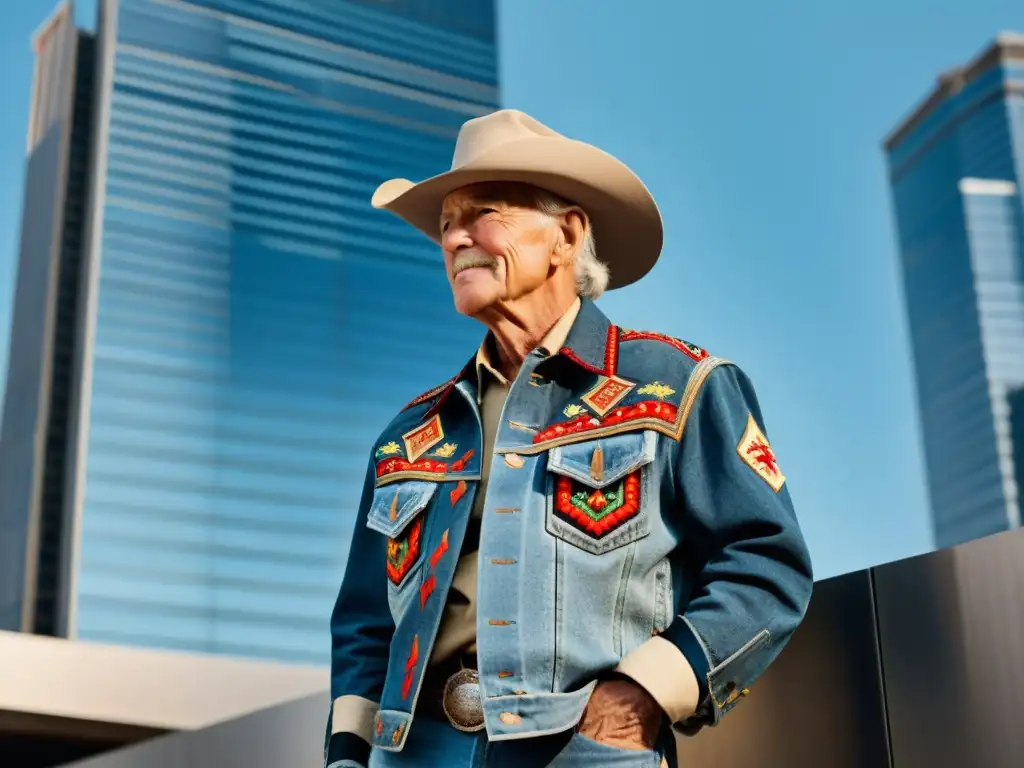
point(755, 577)
point(361, 630)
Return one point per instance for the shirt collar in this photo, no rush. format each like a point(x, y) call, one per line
point(552, 342)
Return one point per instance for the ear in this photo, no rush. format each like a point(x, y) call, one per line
point(572, 229)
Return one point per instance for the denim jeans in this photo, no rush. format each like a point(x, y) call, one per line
point(435, 744)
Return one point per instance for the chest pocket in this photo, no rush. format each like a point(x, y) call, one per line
point(600, 492)
point(398, 512)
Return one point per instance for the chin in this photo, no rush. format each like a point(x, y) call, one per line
point(471, 301)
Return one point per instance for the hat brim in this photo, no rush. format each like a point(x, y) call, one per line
point(625, 218)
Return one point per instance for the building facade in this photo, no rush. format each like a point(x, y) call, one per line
point(246, 322)
point(33, 446)
point(956, 166)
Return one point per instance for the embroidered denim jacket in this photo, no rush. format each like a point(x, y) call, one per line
point(633, 499)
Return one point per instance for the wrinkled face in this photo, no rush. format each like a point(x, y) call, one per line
point(497, 246)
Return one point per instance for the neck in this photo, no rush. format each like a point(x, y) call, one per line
point(519, 326)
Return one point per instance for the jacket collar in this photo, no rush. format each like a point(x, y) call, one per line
point(593, 341)
point(592, 344)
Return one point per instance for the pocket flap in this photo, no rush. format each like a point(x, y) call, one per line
point(395, 505)
point(597, 463)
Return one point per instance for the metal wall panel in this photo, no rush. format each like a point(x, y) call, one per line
point(940, 681)
point(952, 635)
point(820, 704)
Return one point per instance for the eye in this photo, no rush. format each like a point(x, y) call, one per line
point(444, 226)
point(485, 211)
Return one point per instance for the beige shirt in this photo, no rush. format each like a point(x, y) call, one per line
point(457, 633)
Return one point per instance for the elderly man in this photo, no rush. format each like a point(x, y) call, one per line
point(583, 538)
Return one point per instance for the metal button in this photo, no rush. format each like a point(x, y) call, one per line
point(509, 719)
point(514, 460)
point(736, 694)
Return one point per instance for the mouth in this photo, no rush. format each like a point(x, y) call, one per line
point(471, 276)
point(473, 262)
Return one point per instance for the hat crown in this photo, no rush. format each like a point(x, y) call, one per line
point(490, 131)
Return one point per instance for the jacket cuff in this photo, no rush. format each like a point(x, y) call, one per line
point(351, 727)
point(685, 638)
point(723, 682)
point(668, 675)
point(346, 750)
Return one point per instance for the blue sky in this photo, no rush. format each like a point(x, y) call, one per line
point(758, 128)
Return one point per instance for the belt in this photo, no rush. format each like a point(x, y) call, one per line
point(451, 692)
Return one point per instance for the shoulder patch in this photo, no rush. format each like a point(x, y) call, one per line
point(758, 454)
point(692, 351)
point(430, 394)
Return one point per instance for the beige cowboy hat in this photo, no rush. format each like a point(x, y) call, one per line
point(509, 145)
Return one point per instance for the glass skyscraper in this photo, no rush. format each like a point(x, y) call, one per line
point(956, 165)
point(244, 323)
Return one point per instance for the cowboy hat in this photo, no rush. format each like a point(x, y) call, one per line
point(509, 145)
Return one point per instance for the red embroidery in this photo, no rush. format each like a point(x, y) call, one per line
point(458, 492)
point(431, 393)
point(599, 512)
point(421, 439)
point(607, 394)
point(392, 465)
point(611, 354)
point(582, 363)
point(410, 666)
point(763, 454)
point(397, 464)
point(690, 350)
point(426, 588)
point(444, 390)
point(611, 351)
point(460, 464)
point(402, 553)
point(648, 409)
point(439, 552)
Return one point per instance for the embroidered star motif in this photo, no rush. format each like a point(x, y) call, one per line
point(446, 451)
point(657, 389)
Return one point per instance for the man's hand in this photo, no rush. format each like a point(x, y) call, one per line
point(622, 714)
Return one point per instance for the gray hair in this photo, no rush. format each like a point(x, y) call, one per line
point(591, 273)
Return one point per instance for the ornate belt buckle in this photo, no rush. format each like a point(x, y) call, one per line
point(462, 702)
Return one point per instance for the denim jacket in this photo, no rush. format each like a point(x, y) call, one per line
point(636, 518)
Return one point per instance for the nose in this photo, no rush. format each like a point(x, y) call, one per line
point(455, 238)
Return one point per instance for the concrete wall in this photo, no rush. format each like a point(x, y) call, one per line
point(286, 736)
